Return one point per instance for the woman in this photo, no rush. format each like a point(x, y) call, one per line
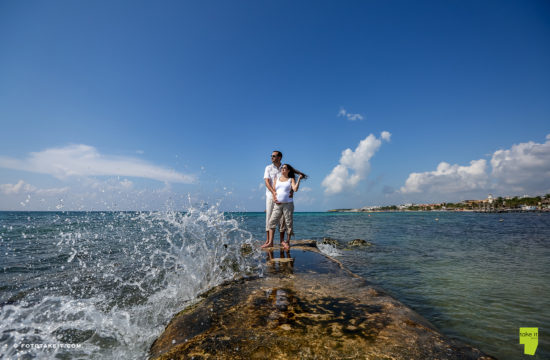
point(284, 205)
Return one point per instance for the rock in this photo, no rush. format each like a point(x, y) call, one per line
point(330, 241)
point(246, 249)
point(303, 243)
point(359, 242)
point(311, 307)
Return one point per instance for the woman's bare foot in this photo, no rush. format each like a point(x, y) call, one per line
point(266, 245)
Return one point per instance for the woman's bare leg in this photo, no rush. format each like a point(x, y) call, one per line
point(286, 244)
point(287, 213)
point(270, 239)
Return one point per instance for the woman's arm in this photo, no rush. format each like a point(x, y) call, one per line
point(296, 185)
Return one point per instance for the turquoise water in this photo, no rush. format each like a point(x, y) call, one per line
point(109, 282)
point(476, 277)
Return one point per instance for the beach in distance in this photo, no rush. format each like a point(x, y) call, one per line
point(109, 282)
point(488, 205)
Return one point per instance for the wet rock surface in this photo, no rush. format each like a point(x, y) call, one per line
point(330, 241)
point(308, 306)
point(359, 242)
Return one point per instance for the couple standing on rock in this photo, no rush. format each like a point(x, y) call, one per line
point(280, 182)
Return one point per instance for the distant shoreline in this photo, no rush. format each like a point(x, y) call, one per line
point(355, 211)
point(439, 210)
point(490, 205)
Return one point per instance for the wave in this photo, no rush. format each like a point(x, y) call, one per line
point(114, 280)
point(329, 250)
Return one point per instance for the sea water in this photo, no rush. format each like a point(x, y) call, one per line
point(105, 284)
point(478, 277)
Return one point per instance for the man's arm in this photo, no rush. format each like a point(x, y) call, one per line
point(270, 188)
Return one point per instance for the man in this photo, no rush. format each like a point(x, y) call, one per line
point(272, 172)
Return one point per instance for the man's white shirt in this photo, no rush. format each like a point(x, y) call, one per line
point(271, 172)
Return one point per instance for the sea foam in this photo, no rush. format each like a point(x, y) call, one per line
point(108, 283)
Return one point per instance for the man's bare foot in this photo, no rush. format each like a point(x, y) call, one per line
point(266, 245)
point(285, 245)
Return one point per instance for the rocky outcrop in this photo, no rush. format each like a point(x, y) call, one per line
point(359, 242)
point(330, 241)
point(308, 306)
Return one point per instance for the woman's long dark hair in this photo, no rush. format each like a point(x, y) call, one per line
point(292, 172)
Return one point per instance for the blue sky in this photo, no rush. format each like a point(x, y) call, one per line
point(152, 105)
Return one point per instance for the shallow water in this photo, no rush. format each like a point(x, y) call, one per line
point(477, 277)
point(108, 283)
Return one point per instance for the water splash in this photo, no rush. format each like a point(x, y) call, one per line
point(329, 249)
point(110, 282)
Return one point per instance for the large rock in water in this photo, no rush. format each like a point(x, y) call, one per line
point(308, 306)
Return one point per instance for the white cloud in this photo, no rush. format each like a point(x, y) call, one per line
point(523, 168)
point(349, 116)
point(354, 166)
point(385, 135)
point(126, 184)
point(10, 189)
point(84, 160)
point(449, 178)
point(22, 187)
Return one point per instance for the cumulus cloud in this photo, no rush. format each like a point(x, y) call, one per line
point(524, 168)
point(10, 189)
point(22, 187)
point(449, 178)
point(126, 184)
point(349, 116)
point(354, 165)
point(83, 160)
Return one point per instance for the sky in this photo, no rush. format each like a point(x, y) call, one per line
point(162, 105)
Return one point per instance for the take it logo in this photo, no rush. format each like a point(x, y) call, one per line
point(530, 338)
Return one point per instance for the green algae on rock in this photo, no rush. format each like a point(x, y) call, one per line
point(307, 306)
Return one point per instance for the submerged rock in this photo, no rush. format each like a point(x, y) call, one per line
point(308, 306)
point(330, 241)
point(359, 242)
point(246, 249)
